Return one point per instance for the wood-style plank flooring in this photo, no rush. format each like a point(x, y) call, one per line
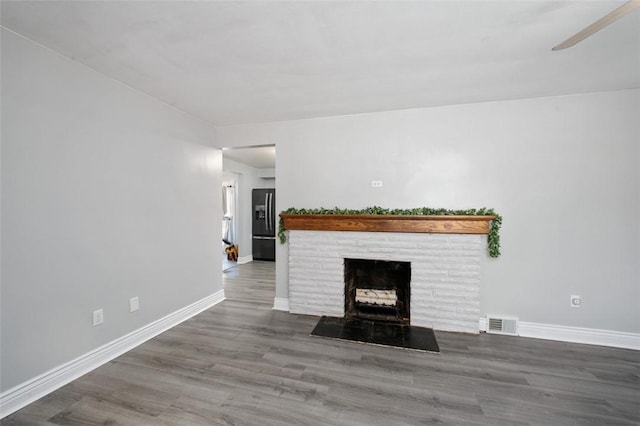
point(243, 363)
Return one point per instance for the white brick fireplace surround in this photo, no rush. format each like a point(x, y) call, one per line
point(445, 273)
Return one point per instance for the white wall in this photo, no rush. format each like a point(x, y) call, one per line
point(563, 171)
point(106, 194)
point(249, 179)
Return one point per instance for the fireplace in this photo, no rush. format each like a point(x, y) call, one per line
point(446, 255)
point(445, 274)
point(377, 290)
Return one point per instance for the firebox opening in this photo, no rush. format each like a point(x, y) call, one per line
point(377, 290)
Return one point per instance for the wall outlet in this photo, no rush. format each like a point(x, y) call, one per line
point(376, 184)
point(133, 304)
point(98, 317)
point(576, 301)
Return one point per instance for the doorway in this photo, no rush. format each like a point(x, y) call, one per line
point(229, 215)
point(250, 168)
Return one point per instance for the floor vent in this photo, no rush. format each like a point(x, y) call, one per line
point(502, 325)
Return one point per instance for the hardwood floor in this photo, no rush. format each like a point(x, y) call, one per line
point(241, 362)
point(252, 282)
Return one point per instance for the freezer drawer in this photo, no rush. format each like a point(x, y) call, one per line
point(264, 248)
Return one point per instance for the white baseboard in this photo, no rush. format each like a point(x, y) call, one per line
point(245, 259)
point(25, 393)
point(281, 304)
point(562, 333)
point(590, 336)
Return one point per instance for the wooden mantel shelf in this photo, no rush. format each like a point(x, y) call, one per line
point(444, 224)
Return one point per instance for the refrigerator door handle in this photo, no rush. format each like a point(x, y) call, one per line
point(271, 211)
point(266, 213)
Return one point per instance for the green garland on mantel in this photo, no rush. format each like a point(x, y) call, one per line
point(493, 238)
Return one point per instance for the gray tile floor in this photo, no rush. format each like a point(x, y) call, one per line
point(240, 362)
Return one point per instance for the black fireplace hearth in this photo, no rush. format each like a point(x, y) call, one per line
point(377, 307)
point(380, 333)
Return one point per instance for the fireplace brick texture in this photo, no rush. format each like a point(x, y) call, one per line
point(445, 273)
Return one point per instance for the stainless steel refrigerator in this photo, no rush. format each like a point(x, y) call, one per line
point(264, 224)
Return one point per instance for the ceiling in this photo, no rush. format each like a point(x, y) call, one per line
point(262, 157)
point(244, 62)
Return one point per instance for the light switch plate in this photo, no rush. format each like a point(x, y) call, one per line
point(134, 304)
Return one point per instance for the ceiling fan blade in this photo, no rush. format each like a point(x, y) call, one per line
point(599, 24)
